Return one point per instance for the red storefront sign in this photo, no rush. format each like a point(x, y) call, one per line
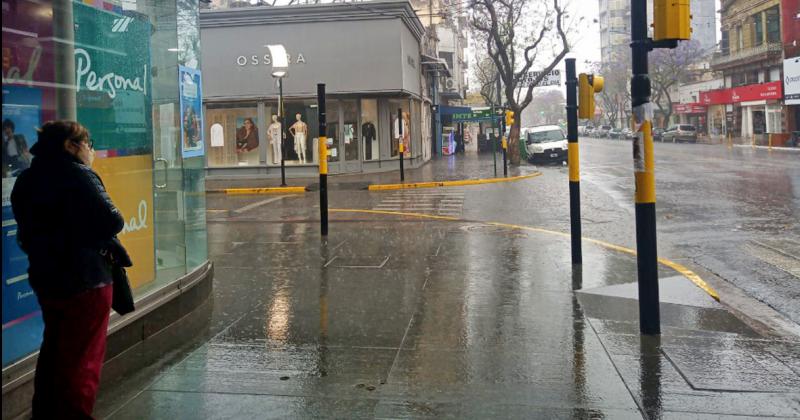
point(693, 108)
point(761, 91)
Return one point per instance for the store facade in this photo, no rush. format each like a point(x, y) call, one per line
point(130, 72)
point(368, 58)
point(752, 112)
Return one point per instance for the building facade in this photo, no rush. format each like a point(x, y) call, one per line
point(615, 26)
point(751, 61)
point(370, 61)
point(790, 13)
point(130, 72)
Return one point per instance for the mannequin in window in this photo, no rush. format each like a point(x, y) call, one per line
point(299, 130)
point(246, 136)
point(274, 133)
point(407, 133)
point(368, 133)
point(404, 137)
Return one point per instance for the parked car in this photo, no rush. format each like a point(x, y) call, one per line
point(614, 133)
point(602, 131)
point(627, 134)
point(546, 143)
point(679, 134)
point(657, 134)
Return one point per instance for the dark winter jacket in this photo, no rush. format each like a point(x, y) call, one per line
point(65, 221)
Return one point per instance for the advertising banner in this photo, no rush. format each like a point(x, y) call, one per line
point(27, 72)
point(791, 81)
point(761, 91)
point(114, 103)
point(790, 14)
point(689, 108)
point(191, 102)
point(551, 79)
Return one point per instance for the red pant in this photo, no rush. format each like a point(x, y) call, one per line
point(72, 353)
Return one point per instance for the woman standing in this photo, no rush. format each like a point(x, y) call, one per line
point(66, 221)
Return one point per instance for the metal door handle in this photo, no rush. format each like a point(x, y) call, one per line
point(166, 172)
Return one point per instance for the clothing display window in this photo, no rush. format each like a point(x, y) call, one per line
point(400, 135)
point(238, 142)
point(301, 133)
point(369, 129)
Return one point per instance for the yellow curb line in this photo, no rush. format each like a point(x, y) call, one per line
point(266, 190)
point(689, 274)
point(434, 184)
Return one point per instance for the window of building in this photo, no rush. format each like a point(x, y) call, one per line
point(401, 106)
point(758, 30)
point(739, 38)
point(724, 43)
point(773, 24)
point(241, 134)
point(369, 129)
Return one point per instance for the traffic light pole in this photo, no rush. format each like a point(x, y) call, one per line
point(401, 146)
point(504, 144)
point(323, 159)
point(574, 163)
point(644, 172)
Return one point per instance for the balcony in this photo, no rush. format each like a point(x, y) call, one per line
point(746, 56)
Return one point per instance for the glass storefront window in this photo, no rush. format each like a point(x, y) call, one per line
point(114, 68)
point(405, 137)
point(369, 129)
point(302, 132)
point(234, 134)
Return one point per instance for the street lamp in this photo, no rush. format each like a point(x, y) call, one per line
point(280, 68)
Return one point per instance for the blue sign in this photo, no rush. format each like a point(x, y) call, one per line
point(191, 102)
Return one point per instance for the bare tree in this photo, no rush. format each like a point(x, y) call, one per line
point(615, 99)
point(671, 68)
point(496, 24)
point(487, 80)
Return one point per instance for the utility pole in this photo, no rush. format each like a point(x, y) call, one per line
point(574, 162)
point(670, 24)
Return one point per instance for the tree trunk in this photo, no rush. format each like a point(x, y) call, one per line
point(513, 141)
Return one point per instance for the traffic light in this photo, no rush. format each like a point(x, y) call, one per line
point(588, 85)
point(671, 20)
point(509, 118)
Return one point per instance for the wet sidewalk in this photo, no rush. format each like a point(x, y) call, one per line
point(469, 165)
point(417, 317)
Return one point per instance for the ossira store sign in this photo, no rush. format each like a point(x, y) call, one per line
point(112, 61)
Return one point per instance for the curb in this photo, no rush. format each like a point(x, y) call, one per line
point(434, 184)
point(774, 148)
point(265, 190)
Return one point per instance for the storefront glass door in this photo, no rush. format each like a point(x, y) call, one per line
point(334, 139)
point(350, 135)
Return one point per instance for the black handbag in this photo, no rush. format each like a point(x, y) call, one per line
point(122, 297)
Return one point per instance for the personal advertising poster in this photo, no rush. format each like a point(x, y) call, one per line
point(119, 118)
point(191, 102)
point(22, 320)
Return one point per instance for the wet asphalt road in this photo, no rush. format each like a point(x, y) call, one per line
point(400, 317)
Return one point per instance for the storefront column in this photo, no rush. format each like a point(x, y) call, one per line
point(64, 51)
